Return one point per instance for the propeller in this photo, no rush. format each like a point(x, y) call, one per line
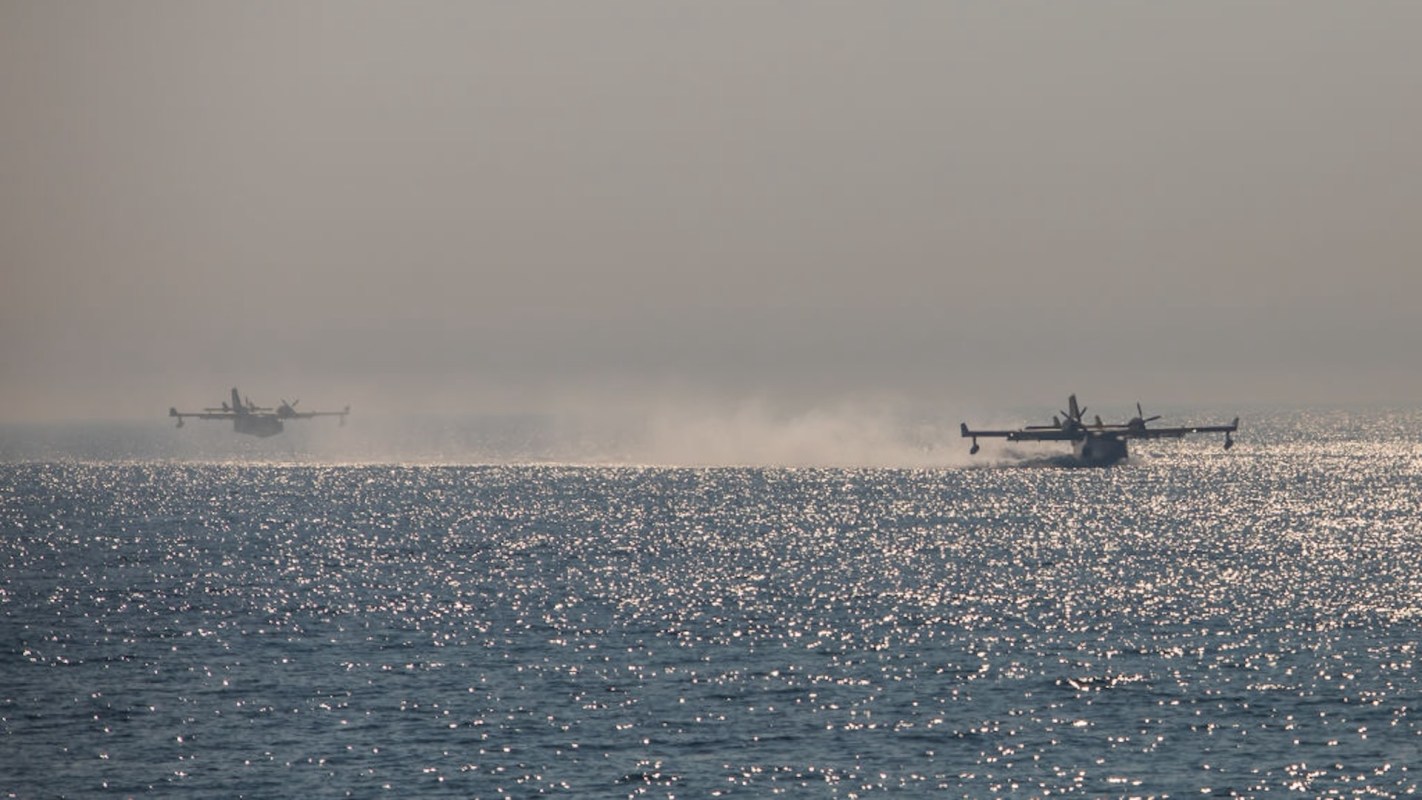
point(287, 410)
point(1140, 415)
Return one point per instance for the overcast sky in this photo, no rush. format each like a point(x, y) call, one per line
point(499, 206)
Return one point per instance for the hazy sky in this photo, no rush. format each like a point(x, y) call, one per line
point(499, 206)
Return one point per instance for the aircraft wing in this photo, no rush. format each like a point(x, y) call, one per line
point(312, 414)
point(1029, 434)
point(206, 414)
point(1176, 433)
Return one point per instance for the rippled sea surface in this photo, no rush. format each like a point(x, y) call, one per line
point(1194, 622)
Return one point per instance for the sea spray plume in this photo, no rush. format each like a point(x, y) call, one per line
point(453, 439)
point(753, 432)
point(662, 430)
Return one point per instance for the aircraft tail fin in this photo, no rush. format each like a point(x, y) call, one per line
point(237, 402)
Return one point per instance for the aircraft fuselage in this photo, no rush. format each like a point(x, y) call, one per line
point(260, 425)
point(1096, 450)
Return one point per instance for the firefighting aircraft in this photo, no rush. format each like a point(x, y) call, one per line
point(255, 420)
point(1098, 444)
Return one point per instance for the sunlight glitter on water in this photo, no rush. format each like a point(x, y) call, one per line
point(1195, 621)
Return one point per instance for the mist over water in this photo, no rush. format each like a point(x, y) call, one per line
point(751, 433)
point(682, 431)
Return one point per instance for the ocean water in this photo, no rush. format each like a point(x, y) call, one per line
point(1194, 622)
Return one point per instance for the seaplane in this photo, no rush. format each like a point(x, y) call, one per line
point(254, 420)
point(1096, 443)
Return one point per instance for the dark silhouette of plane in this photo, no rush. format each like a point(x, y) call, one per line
point(255, 420)
point(1098, 444)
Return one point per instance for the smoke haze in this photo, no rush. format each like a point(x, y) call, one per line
point(801, 223)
